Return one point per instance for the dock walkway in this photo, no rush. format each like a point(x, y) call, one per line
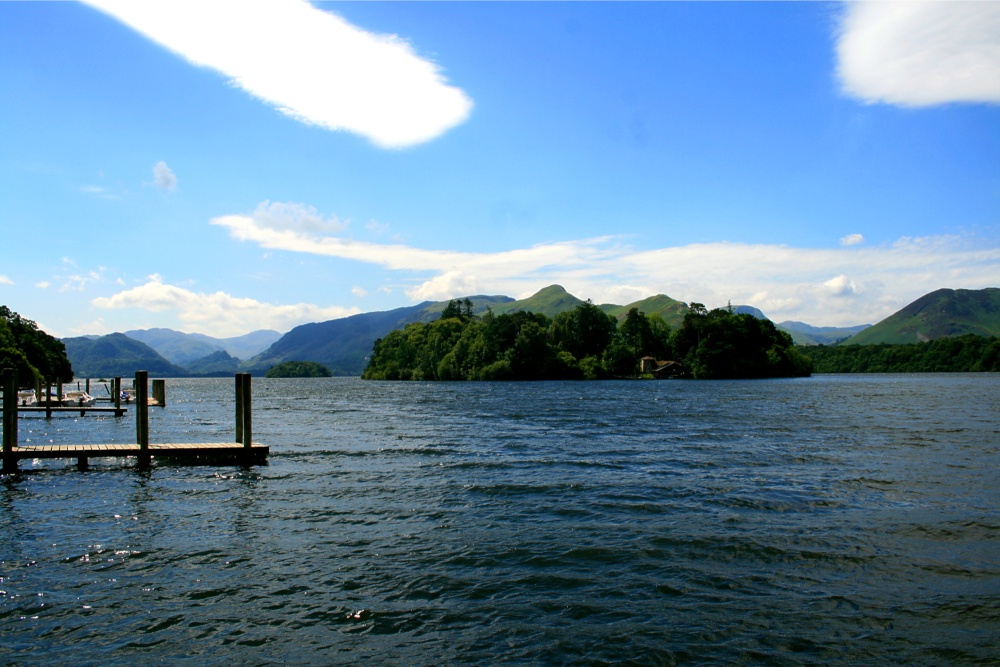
point(243, 451)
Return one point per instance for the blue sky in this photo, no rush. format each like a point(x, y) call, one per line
point(229, 166)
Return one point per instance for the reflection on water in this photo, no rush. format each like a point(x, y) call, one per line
point(831, 520)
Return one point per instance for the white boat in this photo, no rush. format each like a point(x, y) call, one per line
point(26, 397)
point(128, 395)
point(77, 398)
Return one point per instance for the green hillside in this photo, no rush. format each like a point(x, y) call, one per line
point(549, 301)
point(117, 355)
point(671, 310)
point(940, 314)
point(806, 334)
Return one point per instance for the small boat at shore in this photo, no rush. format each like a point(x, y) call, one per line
point(26, 397)
point(77, 398)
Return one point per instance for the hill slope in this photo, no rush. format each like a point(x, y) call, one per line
point(806, 334)
point(671, 310)
point(116, 355)
point(184, 348)
point(343, 345)
point(550, 301)
point(940, 314)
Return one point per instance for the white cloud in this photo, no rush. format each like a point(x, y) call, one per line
point(43, 284)
point(841, 286)
point(218, 314)
point(852, 239)
point(846, 285)
point(920, 53)
point(296, 217)
point(163, 177)
point(4, 280)
point(80, 281)
point(308, 63)
point(359, 291)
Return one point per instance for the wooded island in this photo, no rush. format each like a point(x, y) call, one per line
point(584, 343)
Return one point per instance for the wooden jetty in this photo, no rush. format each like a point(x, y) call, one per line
point(242, 451)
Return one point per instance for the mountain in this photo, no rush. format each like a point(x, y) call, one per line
point(247, 345)
point(750, 310)
point(343, 345)
point(217, 364)
point(549, 301)
point(806, 334)
point(671, 310)
point(116, 355)
point(940, 314)
point(183, 348)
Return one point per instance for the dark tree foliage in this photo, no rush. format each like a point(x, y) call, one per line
point(584, 343)
point(298, 369)
point(960, 354)
point(458, 308)
point(33, 352)
point(724, 344)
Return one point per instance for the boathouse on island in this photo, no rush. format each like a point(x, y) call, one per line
point(661, 369)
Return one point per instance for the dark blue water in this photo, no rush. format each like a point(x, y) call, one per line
point(830, 520)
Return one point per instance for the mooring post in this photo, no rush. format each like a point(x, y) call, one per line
point(247, 414)
point(160, 393)
point(59, 390)
point(9, 419)
point(142, 416)
point(48, 399)
point(239, 407)
point(116, 392)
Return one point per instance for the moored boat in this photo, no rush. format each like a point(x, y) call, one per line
point(26, 397)
point(77, 397)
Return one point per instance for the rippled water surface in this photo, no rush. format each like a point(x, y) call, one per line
point(830, 520)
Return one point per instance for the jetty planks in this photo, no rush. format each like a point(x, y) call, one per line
point(244, 451)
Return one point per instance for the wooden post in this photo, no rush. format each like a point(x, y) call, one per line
point(160, 393)
point(244, 420)
point(116, 391)
point(142, 417)
point(239, 407)
point(48, 399)
point(247, 414)
point(9, 419)
point(88, 385)
point(59, 390)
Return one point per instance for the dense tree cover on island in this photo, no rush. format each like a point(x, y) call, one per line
point(299, 369)
point(34, 353)
point(960, 354)
point(584, 343)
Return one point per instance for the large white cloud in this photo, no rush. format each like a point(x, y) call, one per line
point(218, 314)
point(920, 53)
point(309, 64)
point(846, 285)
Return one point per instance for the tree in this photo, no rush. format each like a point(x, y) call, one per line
point(44, 353)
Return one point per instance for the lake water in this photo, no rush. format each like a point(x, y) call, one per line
point(827, 520)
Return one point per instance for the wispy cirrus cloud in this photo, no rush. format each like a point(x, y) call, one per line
point(920, 53)
point(307, 63)
point(4, 280)
point(850, 284)
point(218, 313)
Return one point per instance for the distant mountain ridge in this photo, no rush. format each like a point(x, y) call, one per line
point(343, 345)
point(116, 355)
point(185, 348)
point(943, 313)
point(806, 334)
